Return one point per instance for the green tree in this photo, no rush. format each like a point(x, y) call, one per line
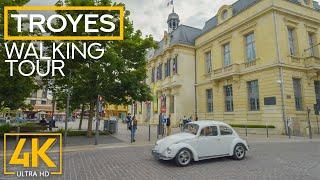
point(13, 90)
point(119, 76)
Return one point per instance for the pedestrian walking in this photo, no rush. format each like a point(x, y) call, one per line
point(184, 120)
point(169, 125)
point(164, 125)
point(134, 127)
point(43, 122)
point(128, 120)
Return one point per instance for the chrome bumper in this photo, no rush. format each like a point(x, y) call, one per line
point(158, 156)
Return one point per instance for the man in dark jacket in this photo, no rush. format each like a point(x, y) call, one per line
point(128, 120)
point(169, 125)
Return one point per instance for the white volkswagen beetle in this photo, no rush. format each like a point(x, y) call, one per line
point(201, 140)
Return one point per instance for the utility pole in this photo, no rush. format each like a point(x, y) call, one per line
point(67, 112)
point(99, 110)
point(53, 103)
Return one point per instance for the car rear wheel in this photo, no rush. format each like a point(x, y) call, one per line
point(183, 158)
point(239, 152)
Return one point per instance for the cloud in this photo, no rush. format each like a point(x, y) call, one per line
point(150, 16)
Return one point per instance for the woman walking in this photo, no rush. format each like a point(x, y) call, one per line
point(134, 128)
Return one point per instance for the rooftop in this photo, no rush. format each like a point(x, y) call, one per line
point(185, 35)
point(240, 6)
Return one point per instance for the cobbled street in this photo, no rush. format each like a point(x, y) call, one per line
point(282, 161)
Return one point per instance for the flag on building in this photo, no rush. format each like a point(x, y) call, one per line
point(169, 3)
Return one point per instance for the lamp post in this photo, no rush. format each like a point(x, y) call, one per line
point(99, 110)
point(67, 112)
point(309, 124)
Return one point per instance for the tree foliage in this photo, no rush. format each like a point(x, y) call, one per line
point(13, 90)
point(119, 76)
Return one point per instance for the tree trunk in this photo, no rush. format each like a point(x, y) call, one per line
point(91, 114)
point(81, 116)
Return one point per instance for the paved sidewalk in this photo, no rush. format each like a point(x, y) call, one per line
point(272, 161)
point(123, 137)
point(143, 136)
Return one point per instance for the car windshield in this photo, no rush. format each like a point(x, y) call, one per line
point(191, 128)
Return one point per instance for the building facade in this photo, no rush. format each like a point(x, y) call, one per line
point(119, 111)
point(41, 101)
point(257, 62)
point(171, 75)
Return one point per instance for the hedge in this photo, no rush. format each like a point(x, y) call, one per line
point(79, 133)
point(32, 127)
point(5, 128)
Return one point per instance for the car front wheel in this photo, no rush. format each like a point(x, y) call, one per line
point(239, 152)
point(183, 158)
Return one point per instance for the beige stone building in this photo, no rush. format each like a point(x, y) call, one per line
point(171, 75)
point(257, 62)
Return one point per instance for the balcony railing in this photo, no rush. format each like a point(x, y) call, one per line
point(312, 61)
point(170, 81)
point(294, 60)
point(226, 71)
point(250, 64)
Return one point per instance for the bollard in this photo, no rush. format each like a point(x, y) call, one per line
point(318, 125)
point(289, 131)
point(309, 124)
point(157, 131)
point(246, 131)
point(149, 132)
point(267, 131)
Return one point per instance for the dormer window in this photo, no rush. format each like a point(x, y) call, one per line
point(224, 14)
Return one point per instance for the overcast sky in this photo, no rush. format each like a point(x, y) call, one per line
point(150, 16)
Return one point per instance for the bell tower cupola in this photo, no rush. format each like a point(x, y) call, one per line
point(173, 21)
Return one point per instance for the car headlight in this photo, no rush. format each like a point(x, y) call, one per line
point(169, 150)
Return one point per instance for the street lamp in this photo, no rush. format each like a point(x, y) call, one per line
point(67, 111)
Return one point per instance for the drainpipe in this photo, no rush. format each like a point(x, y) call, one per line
point(195, 82)
point(281, 77)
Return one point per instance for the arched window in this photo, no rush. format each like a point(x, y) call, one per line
point(224, 15)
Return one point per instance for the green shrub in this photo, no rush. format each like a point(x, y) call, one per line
point(79, 133)
point(252, 126)
point(5, 128)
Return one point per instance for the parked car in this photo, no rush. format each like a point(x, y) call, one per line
point(201, 140)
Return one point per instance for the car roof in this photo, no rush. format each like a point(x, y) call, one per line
point(204, 123)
